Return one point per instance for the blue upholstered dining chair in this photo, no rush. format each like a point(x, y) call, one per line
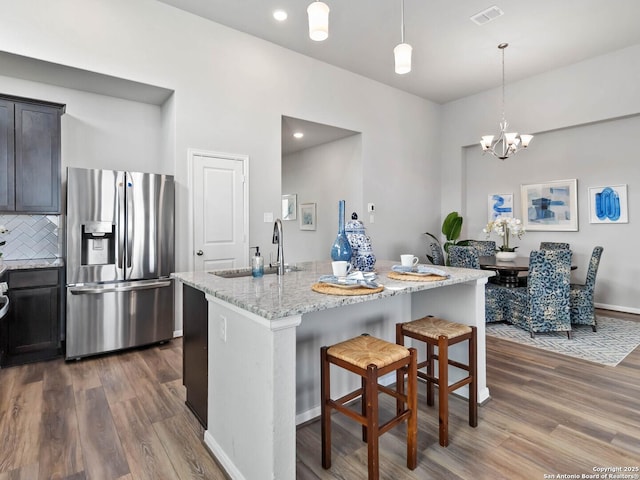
point(581, 296)
point(543, 305)
point(554, 246)
point(437, 255)
point(485, 248)
point(495, 306)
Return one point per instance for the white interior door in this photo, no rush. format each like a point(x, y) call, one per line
point(220, 211)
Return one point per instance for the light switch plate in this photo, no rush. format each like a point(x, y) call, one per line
point(371, 207)
point(268, 217)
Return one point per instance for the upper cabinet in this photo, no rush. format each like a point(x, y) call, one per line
point(29, 156)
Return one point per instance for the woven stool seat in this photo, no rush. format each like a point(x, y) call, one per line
point(364, 350)
point(434, 327)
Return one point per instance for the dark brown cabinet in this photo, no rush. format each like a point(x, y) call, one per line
point(30, 331)
point(29, 156)
point(194, 347)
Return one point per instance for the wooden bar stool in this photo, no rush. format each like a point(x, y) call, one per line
point(442, 334)
point(370, 358)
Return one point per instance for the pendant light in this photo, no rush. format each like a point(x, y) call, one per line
point(506, 143)
point(402, 52)
point(318, 21)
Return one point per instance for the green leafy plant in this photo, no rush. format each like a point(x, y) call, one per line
point(451, 229)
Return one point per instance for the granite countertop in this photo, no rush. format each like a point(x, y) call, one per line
point(273, 297)
point(31, 263)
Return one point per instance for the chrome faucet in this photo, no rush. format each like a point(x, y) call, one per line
point(277, 238)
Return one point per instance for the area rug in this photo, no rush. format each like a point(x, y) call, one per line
point(614, 340)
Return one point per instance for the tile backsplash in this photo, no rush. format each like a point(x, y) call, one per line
point(31, 236)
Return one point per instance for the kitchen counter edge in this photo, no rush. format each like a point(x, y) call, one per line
point(273, 297)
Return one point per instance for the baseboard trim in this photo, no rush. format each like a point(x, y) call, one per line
point(617, 308)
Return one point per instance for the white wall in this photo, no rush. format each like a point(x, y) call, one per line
point(322, 175)
point(100, 131)
point(585, 120)
point(230, 93)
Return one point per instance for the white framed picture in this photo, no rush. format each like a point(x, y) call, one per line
point(550, 206)
point(500, 205)
point(308, 216)
point(608, 204)
point(289, 206)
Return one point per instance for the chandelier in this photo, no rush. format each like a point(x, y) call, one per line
point(506, 143)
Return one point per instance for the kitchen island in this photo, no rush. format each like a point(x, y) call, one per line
point(264, 341)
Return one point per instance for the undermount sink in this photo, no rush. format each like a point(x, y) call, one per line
point(247, 272)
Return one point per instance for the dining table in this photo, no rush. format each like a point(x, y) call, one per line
point(507, 272)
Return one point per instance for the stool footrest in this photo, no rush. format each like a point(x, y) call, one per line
point(460, 383)
point(349, 396)
point(347, 411)
point(393, 422)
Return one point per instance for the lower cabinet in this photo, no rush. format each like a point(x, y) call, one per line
point(194, 346)
point(30, 331)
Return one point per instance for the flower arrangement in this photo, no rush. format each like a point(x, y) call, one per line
point(505, 227)
point(3, 230)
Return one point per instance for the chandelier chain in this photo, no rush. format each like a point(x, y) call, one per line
point(503, 103)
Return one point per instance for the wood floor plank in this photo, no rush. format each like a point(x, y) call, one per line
point(115, 382)
point(101, 448)
point(28, 472)
point(145, 453)
point(188, 454)
point(20, 426)
point(84, 373)
point(7, 380)
point(158, 363)
point(158, 402)
point(60, 451)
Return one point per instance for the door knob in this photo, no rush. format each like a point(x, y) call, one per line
point(199, 253)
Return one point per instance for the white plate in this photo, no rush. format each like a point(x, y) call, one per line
point(421, 274)
point(349, 286)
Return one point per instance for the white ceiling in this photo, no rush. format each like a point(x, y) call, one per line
point(452, 56)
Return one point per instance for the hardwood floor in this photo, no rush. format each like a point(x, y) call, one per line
point(120, 416)
point(123, 416)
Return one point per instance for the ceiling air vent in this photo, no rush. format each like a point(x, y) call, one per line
point(487, 15)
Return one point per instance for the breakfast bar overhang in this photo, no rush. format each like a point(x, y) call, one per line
point(264, 341)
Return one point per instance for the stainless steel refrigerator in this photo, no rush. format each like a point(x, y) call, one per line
point(120, 253)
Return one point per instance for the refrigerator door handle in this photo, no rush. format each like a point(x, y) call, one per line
point(120, 188)
point(87, 289)
point(130, 217)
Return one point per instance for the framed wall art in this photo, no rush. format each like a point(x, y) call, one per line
point(608, 204)
point(307, 216)
point(289, 207)
point(500, 204)
point(550, 206)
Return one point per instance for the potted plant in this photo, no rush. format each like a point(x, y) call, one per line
point(505, 227)
point(451, 229)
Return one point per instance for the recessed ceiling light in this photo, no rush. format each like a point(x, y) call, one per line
point(298, 134)
point(280, 15)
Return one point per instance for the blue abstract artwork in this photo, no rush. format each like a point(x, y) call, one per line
point(608, 204)
point(500, 204)
point(550, 206)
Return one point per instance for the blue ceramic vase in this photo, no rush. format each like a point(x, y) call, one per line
point(341, 249)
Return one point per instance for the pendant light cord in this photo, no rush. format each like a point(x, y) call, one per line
point(402, 19)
